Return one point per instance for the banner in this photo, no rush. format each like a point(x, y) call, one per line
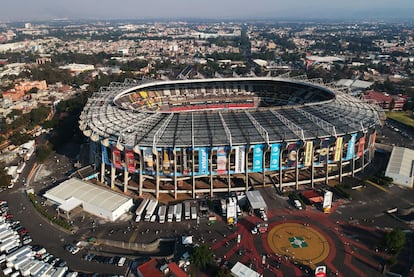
point(351, 147)
point(148, 159)
point(324, 151)
point(105, 158)
point(292, 155)
point(166, 161)
point(275, 156)
point(372, 139)
point(239, 159)
point(361, 146)
point(130, 161)
point(338, 149)
point(308, 153)
point(184, 161)
point(257, 158)
point(202, 161)
point(221, 160)
point(116, 158)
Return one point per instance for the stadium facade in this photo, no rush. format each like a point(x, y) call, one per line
point(205, 136)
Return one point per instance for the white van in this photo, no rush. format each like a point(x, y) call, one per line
point(298, 205)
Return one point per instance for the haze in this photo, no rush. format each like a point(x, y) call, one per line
point(14, 10)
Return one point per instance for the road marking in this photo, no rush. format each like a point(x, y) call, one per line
point(133, 236)
point(376, 185)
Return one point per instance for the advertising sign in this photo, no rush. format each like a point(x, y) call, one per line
point(148, 159)
point(308, 153)
point(116, 158)
point(130, 161)
point(185, 164)
point(274, 156)
point(324, 151)
point(257, 158)
point(351, 147)
point(292, 155)
point(338, 149)
point(361, 146)
point(105, 155)
point(166, 161)
point(202, 161)
point(221, 160)
point(239, 163)
point(372, 139)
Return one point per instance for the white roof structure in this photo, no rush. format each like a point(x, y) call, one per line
point(401, 166)
point(256, 200)
point(240, 270)
point(94, 199)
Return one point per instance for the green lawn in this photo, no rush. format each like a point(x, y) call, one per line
point(402, 117)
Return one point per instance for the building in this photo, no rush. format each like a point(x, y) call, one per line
point(206, 136)
point(386, 101)
point(401, 166)
point(27, 86)
point(94, 199)
point(240, 270)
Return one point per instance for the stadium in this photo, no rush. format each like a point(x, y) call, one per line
point(207, 136)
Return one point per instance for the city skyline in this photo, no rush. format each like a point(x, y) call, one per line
point(242, 9)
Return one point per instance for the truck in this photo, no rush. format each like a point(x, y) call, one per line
point(162, 210)
point(25, 250)
point(187, 210)
point(231, 211)
point(178, 212)
point(193, 212)
point(149, 211)
point(9, 237)
point(5, 245)
point(6, 234)
point(25, 269)
point(223, 207)
point(170, 215)
point(60, 272)
point(140, 210)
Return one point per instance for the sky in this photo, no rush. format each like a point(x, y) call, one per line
point(23, 10)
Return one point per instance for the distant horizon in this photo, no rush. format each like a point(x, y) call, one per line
point(236, 10)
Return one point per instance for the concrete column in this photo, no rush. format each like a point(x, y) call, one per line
point(157, 175)
point(113, 171)
point(125, 179)
point(102, 171)
point(175, 173)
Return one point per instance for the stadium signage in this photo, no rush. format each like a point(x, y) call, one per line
point(221, 160)
point(275, 156)
point(239, 163)
point(202, 160)
point(257, 158)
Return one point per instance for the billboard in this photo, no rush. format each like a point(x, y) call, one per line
point(308, 153)
point(105, 155)
point(361, 146)
point(221, 160)
point(130, 161)
point(275, 156)
point(116, 158)
point(166, 162)
point(257, 158)
point(202, 161)
point(239, 161)
point(185, 169)
point(351, 147)
point(338, 149)
point(148, 159)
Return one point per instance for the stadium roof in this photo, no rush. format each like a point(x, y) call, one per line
point(299, 110)
point(85, 192)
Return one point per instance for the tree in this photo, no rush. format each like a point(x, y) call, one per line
point(202, 256)
point(5, 178)
point(43, 152)
point(223, 272)
point(394, 241)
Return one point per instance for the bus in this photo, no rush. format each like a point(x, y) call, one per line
point(193, 212)
point(178, 212)
point(170, 214)
point(140, 209)
point(187, 210)
point(162, 210)
point(152, 205)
